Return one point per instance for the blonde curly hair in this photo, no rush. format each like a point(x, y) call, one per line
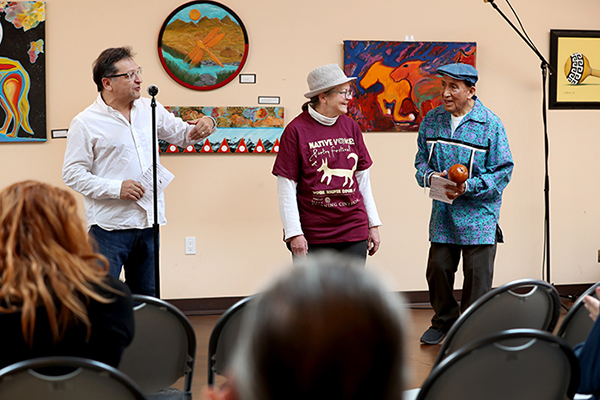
point(46, 258)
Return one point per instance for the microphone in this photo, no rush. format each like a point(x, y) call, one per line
point(152, 90)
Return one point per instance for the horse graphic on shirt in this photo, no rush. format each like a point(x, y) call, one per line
point(347, 174)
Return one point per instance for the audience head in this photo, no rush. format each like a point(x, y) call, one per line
point(45, 257)
point(325, 330)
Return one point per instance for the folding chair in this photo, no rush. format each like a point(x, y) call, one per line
point(79, 378)
point(223, 339)
point(514, 364)
point(577, 323)
point(162, 351)
point(525, 303)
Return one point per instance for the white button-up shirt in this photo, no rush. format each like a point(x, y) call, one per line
point(104, 149)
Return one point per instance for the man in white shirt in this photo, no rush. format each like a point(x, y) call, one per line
point(109, 147)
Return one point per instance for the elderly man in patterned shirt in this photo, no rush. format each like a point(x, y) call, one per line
point(462, 130)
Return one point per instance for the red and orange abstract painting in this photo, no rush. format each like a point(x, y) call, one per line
point(397, 83)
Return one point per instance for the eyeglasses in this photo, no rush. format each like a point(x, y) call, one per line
point(348, 93)
point(130, 75)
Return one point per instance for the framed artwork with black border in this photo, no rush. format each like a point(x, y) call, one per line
point(23, 72)
point(575, 55)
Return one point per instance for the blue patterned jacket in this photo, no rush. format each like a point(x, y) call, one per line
point(479, 142)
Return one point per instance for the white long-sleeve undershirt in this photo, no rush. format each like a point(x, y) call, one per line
point(288, 204)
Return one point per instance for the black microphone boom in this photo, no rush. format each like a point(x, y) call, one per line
point(545, 66)
point(152, 90)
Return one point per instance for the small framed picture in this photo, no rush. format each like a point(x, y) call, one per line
point(59, 133)
point(268, 100)
point(247, 78)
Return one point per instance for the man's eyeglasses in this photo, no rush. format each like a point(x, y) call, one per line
point(130, 75)
point(348, 94)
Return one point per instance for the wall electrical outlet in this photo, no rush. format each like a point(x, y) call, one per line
point(190, 245)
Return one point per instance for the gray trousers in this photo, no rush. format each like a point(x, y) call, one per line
point(478, 266)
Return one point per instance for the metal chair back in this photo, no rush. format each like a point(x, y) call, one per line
point(163, 347)
point(514, 364)
point(224, 338)
point(66, 378)
point(525, 303)
point(577, 323)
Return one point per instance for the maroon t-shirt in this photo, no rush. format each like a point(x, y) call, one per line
point(322, 160)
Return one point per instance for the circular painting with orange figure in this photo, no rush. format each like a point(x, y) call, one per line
point(203, 45)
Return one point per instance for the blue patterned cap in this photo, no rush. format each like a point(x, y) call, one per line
point(463, 72)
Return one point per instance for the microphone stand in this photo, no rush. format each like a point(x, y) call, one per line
point(544, 66)
point(153, 91)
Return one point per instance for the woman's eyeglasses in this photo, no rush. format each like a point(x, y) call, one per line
point(348, 94)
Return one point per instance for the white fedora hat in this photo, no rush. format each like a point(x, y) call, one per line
point(324, 78)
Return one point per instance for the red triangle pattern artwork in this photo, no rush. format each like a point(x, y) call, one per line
point(275, 148)
point(242, 148)
point(260, 148)
point(246, 142)
point(206, 147)
point(224, 147)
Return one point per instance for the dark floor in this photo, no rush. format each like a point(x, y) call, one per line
point(420, 358)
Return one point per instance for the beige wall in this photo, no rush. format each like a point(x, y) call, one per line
point(229, 203)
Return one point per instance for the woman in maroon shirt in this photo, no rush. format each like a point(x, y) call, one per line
point(325, 197)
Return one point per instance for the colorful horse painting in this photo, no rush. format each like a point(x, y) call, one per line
point(22, 71)
point(396, 82)
point(14, 91)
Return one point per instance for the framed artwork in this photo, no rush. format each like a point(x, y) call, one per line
point(22, 71)
point(574, 55)
point(203, 45)
point(241, 130)
point(396, 82)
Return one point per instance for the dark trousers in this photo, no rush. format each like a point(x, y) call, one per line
point(132, 250)
point(353, 249)
point(478, 269)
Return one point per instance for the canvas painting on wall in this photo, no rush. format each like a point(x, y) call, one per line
point(22, 71)
point(241, 130)
point(396, 82)
point(203, 45)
